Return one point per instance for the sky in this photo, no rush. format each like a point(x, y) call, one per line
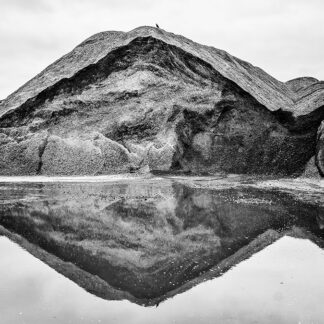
point(283, 37)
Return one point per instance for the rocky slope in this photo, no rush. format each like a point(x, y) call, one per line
point(152, 100)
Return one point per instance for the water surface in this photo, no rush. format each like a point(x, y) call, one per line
point(161, 250)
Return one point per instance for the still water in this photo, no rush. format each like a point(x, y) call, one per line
point(161, 250)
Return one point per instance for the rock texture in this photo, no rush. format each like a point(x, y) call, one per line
point(320, 150)
point(151, 100)
point(299, 84)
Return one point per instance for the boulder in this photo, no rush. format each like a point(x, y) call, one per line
point(71, 156)
point(21, 156)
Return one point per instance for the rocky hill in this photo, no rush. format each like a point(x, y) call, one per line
point(149, 100)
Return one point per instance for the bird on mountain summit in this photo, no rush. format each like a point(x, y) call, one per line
point(157, 26)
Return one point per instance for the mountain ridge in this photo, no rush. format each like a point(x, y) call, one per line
point(108, 41)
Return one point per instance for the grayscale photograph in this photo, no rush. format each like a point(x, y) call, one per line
point(161, 162)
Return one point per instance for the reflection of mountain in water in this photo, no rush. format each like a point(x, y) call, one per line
point(148, 240)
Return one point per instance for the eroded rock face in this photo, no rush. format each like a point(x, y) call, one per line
point(155, 101)
point(75, 156)
point(21, 155)
point(299, 84)
point(311, 169)
point(70, 156)
point(320, 150)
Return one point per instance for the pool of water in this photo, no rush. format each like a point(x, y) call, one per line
point(161, 250)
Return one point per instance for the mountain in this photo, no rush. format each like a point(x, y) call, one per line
point(149, 100)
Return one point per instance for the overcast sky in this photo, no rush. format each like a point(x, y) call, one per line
point(284, 37)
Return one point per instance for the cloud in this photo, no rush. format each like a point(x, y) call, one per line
point(25, 5)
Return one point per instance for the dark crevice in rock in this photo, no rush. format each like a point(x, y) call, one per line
point(319, 156)
point(139, 130)
point(41, 151)
point(175, 113)
point(301, 124)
